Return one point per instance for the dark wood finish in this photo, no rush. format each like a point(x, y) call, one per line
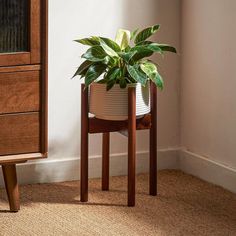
point(19, 91)
point(104, 126)
point(84, 145)
point(35, 29)
point(94, 125)
point(131, 145)
point(10, 178)
point(105, 161)
point(44, 81)
point(153, 143)
point(19, 133)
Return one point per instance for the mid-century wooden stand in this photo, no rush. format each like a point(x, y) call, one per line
point(94, 125)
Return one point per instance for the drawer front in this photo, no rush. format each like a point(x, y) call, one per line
point(19, 133)
point(19, 92)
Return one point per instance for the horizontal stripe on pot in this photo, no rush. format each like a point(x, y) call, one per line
point(113, 104)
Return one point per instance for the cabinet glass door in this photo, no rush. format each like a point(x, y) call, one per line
point(14, 29)
point(20, 32)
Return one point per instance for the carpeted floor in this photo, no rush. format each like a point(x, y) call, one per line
point(185, 206)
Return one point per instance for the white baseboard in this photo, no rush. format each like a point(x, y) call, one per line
point(207, 170)
point(48, 171)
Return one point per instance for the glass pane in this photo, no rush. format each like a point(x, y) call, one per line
point(14, 25)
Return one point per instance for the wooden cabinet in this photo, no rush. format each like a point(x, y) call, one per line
point(23, 87)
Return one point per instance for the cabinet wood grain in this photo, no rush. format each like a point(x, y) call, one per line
point(8, 69)
point(19, 133)
point(19, 92)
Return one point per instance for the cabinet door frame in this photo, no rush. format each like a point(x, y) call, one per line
point(33, 56)
point(44, 82)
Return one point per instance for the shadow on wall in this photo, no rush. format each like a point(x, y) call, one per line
point(144, 13)
point(150, 12)
point(140, 13)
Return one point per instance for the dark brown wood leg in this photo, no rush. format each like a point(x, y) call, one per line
point(10, 178)
point(131, 145)
point(105, 161)
point(84, 145)
point(153, 143)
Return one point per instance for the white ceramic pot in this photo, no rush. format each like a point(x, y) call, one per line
point(113, 104)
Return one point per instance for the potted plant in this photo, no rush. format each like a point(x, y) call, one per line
point(110, 67)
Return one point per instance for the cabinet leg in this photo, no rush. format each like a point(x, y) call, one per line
point(153, 143)
point(10, 178)
point(105, 161)
point(84, 145)
point(131, 145)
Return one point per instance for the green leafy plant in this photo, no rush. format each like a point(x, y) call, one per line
point(123, 60)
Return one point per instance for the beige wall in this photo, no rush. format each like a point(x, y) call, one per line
point(78, 19)
point(208, 82)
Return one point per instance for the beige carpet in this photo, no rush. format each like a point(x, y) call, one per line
point(185, 206)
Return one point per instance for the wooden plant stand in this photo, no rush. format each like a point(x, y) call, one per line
point(94, 125)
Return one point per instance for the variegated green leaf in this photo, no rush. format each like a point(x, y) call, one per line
point(146, 33)
point(95, 53)
point(141, 52)
point(92, 41)
point(83, 68)
point(112, 44)
point(108, 49)
point(137, 74)
point(93, 73)
point(163, 47)
point(133, 34)
point(167, 48)
point(123, 38)
point(123, 83)
point(157, 79)
point(148, 68)
point(154, 47)
point(113, 74)
point(110, 84)
point(126, 56)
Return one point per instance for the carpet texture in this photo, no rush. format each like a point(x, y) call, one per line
point(185, 206)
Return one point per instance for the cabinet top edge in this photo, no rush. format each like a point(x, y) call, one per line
point(7, 159)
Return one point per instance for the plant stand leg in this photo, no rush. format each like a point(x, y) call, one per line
point(153, 143)
point(84, 145)
point(131, 145)
point(10, 178)
point(105, 161)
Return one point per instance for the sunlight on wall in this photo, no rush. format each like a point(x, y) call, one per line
point(78, 19)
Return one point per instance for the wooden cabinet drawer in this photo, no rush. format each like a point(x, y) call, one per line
point(19, 133)
point(19, 91)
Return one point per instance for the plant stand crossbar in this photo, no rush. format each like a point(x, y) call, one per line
point(94, 125)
